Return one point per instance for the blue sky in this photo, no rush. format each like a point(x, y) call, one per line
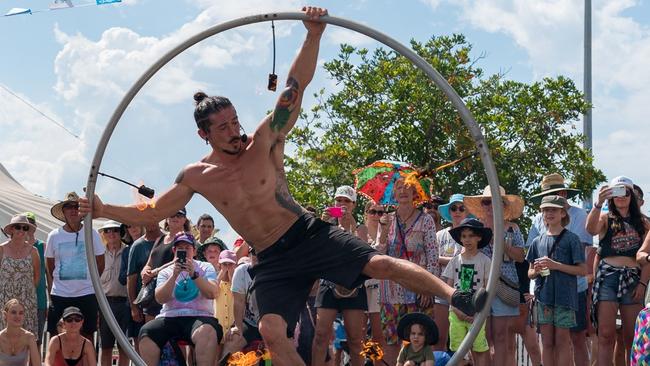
point(76, 64)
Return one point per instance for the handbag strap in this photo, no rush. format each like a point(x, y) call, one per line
point(555, 243)
point(402, 234)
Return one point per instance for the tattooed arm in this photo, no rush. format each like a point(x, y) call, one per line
point(287, 109)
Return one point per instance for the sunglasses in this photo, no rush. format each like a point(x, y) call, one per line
point(73, 318)
point(21, 227)
point(457, 208)
point(73, 206)
point(376, 212)
point(112, 230)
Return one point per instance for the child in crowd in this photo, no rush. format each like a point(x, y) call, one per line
point(556, 258)
point(421, 332)
point(468, 271)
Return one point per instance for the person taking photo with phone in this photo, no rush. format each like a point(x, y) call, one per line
point(186, 291)
point(619, 282)
point(333, 299)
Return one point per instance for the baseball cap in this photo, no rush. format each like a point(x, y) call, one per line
point(347, 192)
point(227, 256)
point(183, 237)
point(622, 180)
point(71, 310)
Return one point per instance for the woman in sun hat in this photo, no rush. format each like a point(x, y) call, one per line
point(20, 270)
point(453, 212)
point(409, 234)
point(618, 284)
point(503, 315)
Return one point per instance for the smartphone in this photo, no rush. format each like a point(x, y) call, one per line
point(618, 191)
point(182, 256)
point(335, 212)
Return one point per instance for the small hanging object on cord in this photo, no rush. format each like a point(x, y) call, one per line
point(143, 190)
point(273, 78)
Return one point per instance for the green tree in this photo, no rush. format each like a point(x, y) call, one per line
point(386, 108)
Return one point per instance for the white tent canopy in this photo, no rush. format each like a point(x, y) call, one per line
point(14, 199)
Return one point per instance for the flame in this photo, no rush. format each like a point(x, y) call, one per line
point(251, 358)
point(372, 350)
point(142, 202)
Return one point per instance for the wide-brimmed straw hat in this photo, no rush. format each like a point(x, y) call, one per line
point(514, 205)
point(20, 219)
point(476, 226)
point(430, 327)
point(57, 209)
point(551, 184)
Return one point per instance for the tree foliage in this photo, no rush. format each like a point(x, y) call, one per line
point(386, 108)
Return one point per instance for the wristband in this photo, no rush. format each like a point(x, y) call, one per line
point(597, 207)
point(644, 285)
point(194, 275)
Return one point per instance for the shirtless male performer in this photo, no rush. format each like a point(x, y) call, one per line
point(244, 179)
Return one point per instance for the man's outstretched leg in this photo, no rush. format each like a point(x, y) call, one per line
point(418, 280)
point(274, 331)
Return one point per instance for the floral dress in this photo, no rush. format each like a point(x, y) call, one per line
point(17, 282)
point(416, 243)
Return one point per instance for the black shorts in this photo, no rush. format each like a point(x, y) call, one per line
point(581, 313)
point(251, 333)
point(161, 330)
point(87, 304)
point(326, 299)
point(122, 312)
point(310, 250)
point(153, 309)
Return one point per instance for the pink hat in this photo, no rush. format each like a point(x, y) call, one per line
point(227, 256)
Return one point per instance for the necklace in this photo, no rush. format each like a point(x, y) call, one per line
point(407, 218)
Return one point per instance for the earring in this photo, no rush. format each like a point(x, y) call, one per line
point(206, 141)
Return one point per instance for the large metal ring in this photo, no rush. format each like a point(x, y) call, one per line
point(475, 131)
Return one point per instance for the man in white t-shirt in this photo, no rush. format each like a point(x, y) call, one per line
point(67, 269)
point(186, 291)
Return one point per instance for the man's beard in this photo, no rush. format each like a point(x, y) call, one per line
point(233, 152)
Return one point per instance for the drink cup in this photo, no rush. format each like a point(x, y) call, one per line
point(545, 272)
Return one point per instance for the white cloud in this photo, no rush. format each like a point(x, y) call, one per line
point(337, 35)
point(35, 150)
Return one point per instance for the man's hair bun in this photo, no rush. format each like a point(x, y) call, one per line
point(199, 96)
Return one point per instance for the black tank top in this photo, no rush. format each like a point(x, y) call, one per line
point(623, 243)
point(73, 361)
point(161, 253)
